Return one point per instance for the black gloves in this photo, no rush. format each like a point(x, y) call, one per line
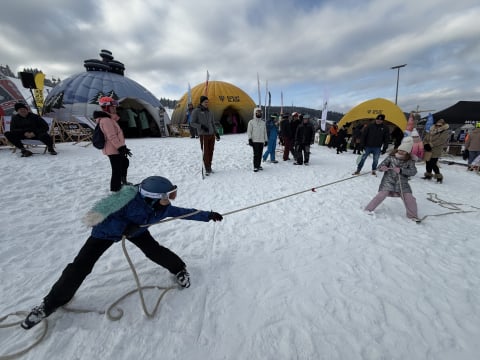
point(384, 151)
point(215, 216)
point(204, 128)
point(427, 147)
point(217, 136)
point(250, 142)
point(265, 143)
point(131, 230)
point(123, 150)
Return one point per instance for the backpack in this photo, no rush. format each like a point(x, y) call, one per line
point(98, 138)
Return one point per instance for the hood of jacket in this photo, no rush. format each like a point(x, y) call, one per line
point(99, 114)
point(255, 110)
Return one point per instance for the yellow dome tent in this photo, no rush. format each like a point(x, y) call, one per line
point(228, 103)
point(369, 110)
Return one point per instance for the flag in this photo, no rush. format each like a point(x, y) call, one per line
point(38, 92)
point(205, 91)
point(429, 122)
point(269, 99)
point(281, 102)
point(189, 94)
point(323, 120)
point(259, 96)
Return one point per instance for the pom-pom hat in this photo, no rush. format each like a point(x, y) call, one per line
point(407, 144)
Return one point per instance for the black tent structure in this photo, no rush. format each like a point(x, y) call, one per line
point(461, 113)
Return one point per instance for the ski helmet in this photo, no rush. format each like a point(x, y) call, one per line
point(107, 101)
point(158, 187)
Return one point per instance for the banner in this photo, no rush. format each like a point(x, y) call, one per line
point(189, 94)
point(429, 122)
point(323, 120)
point(259, 96)
point(38, 92)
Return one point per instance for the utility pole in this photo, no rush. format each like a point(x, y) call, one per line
point(398, 76)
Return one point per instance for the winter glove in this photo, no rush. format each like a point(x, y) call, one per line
point(217, 136)
point(396, 169)
point(265, 143)
point(204, 128)
point(123, 150)
point(215, 216)
point(250, 142)
point(131, 230)
point(427, 147)
point(383, 168)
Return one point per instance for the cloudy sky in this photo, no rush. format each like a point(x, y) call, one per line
point(311, 50)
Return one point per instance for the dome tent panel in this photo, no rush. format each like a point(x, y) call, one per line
point(225, 101)
point(78, 95)
point(369, 110)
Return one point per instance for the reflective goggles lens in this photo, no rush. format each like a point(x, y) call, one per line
point(172, 194)
point(110, 103)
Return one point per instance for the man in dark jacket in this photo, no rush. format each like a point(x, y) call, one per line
point(304, 137)
point(203, 121)
point(27, 125)
point(126, 214)
point(375, 138)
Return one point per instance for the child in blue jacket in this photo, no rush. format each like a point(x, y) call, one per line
point(127, 213)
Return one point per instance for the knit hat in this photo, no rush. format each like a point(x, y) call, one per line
point(203, 98)
point(407, 144)
point(20, 105)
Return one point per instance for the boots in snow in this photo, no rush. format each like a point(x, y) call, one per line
point(427, 176)
point(183, 278)
point(37, 314)
point(439, 178)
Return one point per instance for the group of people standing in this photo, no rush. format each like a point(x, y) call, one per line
point(296, 134)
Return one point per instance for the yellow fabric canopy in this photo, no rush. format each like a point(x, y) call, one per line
point(369, 110)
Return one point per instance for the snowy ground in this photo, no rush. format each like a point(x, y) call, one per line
point(309, 276)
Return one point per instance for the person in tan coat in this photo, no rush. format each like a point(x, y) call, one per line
point(433, 144)
point(472, 144)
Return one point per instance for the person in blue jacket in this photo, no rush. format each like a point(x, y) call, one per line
point(127, 213)
point(272, 134)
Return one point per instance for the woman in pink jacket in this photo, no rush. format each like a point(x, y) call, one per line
point(114, 147)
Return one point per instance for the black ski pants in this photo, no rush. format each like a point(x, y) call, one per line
point(257, 154)
point(119, 165)
point(16, 137)
point(74, 274)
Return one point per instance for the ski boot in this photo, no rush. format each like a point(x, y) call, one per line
point(183, 278)
point(427, 176)
point(37, 314)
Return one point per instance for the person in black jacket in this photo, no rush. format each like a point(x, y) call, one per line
point(304, 137)
point(375, 138)
point(286, 136)
point(27, 125)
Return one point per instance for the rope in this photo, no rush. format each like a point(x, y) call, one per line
point(16, 323)
point(294, 194)
point(140, 288)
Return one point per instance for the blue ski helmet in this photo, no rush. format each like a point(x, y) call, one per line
point(157, 187)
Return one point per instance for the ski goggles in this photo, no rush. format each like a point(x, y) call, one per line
point(170, 195)
point(109, 103)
